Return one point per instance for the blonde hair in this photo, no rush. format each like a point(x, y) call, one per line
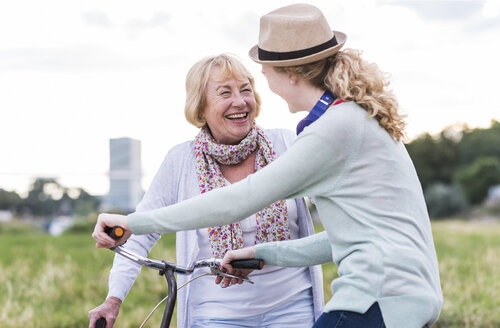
point(351, 78)
point(197, 79)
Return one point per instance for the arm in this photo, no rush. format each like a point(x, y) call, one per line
point(161, 192)
point(308, 251)
point(309, 167)
point(124, 272)
point(121, 278)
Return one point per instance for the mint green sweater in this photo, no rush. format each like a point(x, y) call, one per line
point(370, 202)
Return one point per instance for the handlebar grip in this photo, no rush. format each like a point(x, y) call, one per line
point(100, 323)
point(115, 232)
point(254, 264)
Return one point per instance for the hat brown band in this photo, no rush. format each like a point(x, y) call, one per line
point(272, 55)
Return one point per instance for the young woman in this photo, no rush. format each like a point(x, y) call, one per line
point(350, 158)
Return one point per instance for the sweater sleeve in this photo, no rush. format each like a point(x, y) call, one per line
point(309, 167)
point(160, 192)
point(308, 251)
point(124, 272)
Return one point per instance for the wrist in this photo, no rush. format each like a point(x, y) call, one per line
point(114, 300)
point(246, 253)
point(125, 223)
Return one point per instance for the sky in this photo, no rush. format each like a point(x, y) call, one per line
point(74, 74)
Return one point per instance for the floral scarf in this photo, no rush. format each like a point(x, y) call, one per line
point(272, 222)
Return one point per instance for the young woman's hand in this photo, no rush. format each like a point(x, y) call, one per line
point(110, 220)
point(237, 254)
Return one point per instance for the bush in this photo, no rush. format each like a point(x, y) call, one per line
point(83, 225)
point(476, 178)
point(444, 200)
point(19, 227)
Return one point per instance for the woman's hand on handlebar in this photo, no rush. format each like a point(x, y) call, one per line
point(107, 310)
point(110, 220)
point(236, 254)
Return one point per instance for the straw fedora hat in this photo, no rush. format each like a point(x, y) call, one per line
point(295, 35)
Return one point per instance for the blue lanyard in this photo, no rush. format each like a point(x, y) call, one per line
point(319, 109)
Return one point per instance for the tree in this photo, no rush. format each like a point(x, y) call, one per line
point(480, 143)
point(43, 197)
point(476, 178)
point(9, 200)
point(85, 203)
point(47, 197)
point(444, 200)
point(435, 158)
point(458, 155)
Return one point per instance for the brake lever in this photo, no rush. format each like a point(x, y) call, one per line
point(217, 272)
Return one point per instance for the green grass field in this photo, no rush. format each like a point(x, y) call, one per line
point(53, 281)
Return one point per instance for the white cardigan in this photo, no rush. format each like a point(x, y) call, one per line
point(175, 181)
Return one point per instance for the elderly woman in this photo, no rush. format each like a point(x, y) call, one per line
point(221, 100)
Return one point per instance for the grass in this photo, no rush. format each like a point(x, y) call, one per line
point(53, 281)
point(469, 265)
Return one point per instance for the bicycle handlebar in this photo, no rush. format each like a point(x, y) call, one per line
point(100, 323)
point(254, 264)
point(117, 232)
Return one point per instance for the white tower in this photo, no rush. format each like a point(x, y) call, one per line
point(125, 190)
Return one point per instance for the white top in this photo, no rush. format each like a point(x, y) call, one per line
point(281, 284)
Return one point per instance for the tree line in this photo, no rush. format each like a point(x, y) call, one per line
point(48, 198)
point(457, 167)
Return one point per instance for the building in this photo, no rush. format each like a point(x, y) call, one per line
point(125, 174)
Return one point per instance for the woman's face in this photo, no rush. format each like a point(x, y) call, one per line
point(279, 83)
point(230, 109)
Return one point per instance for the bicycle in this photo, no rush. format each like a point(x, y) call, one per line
point(168, 269)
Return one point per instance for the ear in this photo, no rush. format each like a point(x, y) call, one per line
point(293, 78)
point(291, 74)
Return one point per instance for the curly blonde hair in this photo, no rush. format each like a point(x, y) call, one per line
point(351, 78)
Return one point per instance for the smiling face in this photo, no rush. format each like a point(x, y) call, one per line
point(230, 108)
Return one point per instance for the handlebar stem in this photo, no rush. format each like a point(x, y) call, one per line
point(164, 265)
point(140, 259)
